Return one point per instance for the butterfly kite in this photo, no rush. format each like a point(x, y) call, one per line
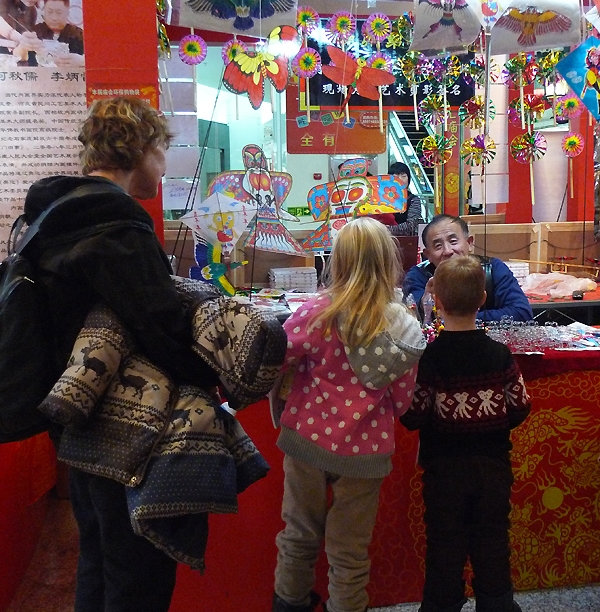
point(531, 23)
point(356, 75)
point(247, 72)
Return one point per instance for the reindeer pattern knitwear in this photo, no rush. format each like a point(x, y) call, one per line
point(339, 415)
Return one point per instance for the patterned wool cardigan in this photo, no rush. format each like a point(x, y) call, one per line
point(178, 452)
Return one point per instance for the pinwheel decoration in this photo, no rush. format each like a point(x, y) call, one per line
point(530, 108)
point(402, 32)
point(526, 149)
point(474, 73)
point(192, 49)
point(472, 112)
point(435, 150)
point(478, 151)
point(519, 71)
point(247, 71)
point(376, 29)
point(549, 75)
point(446, 71)
point(307, 20)
point(432, 110)
point(341, 27)
point(306, 64)
point(569, 106)
point(231, 49)
point(572, 146)
point(416, 68)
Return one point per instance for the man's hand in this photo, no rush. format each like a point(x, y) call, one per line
point(69, 60)
point(28, 42)
point(429, 287)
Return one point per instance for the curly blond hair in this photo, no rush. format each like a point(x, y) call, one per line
point(117, 133)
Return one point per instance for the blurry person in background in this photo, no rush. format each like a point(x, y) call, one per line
point(17, 21)
point(56, 27)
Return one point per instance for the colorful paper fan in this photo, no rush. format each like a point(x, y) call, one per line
point(376, 28)
point(381, 61)
point(474, 72)
point(341, 27)
point(192, 49)
point(478, 151)
point(231, 49)
point(402, 32)
point(415, 67)
point(528, 147)
point(572, 144)
point(445, 71)
point(521, 70)
point(569, 106)
point(472, 112)
point(548, 74)
point(307, 20)
point(435, 150)
point(306, 63)
point(532, 109)
point(432, 110)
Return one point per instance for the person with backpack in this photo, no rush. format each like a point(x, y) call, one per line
point(99, 246)
point(352, 371)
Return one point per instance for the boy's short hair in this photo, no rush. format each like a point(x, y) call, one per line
point(459, 284)
point(117, 133)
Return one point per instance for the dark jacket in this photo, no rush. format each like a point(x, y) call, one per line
point(123, 266)
point(508, 297)
point(70, 34)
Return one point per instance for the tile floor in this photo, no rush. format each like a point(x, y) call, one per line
point(49, 583)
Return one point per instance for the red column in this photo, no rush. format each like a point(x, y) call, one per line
point(580, 207)
point(121, 50)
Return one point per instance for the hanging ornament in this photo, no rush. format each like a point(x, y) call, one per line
point(306, 64)
point(341, 27)
point(231, 49)
point(478, 151)
point(416, 68)
point(472, 112)
point(432, 110)
point(435, 150)
point(164, 45)
point(192, 49)
point(307, 20)
point(572, 146)
point(569, 106)
point(532, 109)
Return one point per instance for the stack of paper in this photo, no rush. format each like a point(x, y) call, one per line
point(520, 269)
point(299, 279)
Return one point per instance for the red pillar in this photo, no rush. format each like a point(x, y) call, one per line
point(121, 51)
point(580, 207)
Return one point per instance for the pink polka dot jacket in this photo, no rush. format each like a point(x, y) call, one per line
point(340, 412)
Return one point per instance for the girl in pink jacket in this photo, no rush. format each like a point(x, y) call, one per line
point(353, 352)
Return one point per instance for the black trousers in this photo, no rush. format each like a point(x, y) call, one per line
point(467, 505)
point(117, 570)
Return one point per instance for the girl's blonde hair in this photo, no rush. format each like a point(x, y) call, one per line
point(361, 277)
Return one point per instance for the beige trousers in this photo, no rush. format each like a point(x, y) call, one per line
point(347, 526)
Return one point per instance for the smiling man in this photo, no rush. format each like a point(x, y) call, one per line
point(446, 236)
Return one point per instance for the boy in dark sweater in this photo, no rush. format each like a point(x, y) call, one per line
point(469, 395)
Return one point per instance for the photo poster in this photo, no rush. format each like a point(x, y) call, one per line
point(42, 103)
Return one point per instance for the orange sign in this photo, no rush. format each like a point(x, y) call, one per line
point(148, 93)
point(331, 132)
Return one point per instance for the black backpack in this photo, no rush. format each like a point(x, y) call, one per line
point(26, 343)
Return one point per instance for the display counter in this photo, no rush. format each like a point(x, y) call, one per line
point(565, 310)
point(555, 519)
point(27, 473)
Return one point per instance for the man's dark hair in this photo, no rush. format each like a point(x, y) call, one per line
point(438, 218)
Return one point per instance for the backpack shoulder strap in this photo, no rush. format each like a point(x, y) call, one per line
point(33, 229)
point(486, 264)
